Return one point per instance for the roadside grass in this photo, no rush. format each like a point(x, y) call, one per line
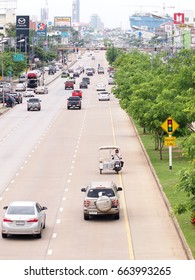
point(168, 180)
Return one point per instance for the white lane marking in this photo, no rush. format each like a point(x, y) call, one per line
point(63, 198)
point(58, 221)
point(12, 181)
point(49, 252)
point(7, 189)
point(68, 181)
point(66, 190)
point(1, 198)
point(54, 235)
point(70, 174)
point(61, 209)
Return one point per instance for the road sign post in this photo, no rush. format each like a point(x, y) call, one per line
point(170, 126)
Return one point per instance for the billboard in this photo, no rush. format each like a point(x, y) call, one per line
point(62, 22)
point(22, 33)
point(41, 29)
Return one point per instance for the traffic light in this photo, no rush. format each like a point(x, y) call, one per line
point(170, 126)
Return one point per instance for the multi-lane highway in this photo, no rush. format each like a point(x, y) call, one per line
point(48, 156)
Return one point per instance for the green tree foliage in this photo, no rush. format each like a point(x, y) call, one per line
point(151, 90)
point(112, 53)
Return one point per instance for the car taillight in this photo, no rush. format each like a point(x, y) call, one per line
point(115, 202)
point(7, 220)
point(33, 220)
point(86, 203)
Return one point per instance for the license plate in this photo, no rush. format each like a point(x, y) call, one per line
point(19, 223)
point(92, 213)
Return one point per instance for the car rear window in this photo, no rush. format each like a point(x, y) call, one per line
point(21, 210)
point(99, 192)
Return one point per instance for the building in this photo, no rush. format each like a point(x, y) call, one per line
point(145, 21)
point(7, 14)
point(96, 23)
point(75, 11)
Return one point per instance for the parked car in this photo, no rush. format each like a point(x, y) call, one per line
point(23, 217)
point(41, 90)
point(101, 198)
point(34, 104)
point(20, 87)
point(83, 85)
point(17, 96)
point(29, 92)
point(74, 102)
point(5, 87)
point(101, 86)
point(104, 95)
point(69, 85)
point(77, 92)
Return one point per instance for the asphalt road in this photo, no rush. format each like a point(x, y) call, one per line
point(50, 155)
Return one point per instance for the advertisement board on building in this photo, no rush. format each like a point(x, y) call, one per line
point(41, 29)
point(178, 18)
point(62, 22)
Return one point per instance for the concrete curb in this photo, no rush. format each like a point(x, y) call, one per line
point(173, 218)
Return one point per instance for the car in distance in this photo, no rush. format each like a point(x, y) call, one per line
point(110, 81)
point(20, 87)
point(29, 92)
point(69, 85)
point(100, 70)
point(41, 90)
point(64, 74)
point(74, 102)
point(86, 80)
point(83, 85)
point(104, 95)
point(101, 87)
point(23, 217)
point(101, 198)
point(77, 92)
point(17, 96)
point(34, 104)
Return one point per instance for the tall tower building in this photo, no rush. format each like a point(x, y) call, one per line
point(45, 12)
point(75, 11)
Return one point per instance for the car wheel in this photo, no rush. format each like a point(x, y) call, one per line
point(86, 217)
point(103, 204)
point(39, 235)
point(117, 216)
point(100, 171)
point(4, 235)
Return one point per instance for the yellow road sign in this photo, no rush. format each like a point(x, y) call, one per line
point(170, 141)
point(170, 125)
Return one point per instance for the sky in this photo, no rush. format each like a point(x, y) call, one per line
point(113, 13)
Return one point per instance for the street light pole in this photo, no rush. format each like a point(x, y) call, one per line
point(2, 67)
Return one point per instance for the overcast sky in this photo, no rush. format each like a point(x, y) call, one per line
point(114, 13)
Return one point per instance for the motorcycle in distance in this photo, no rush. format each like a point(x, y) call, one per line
point(110, 159)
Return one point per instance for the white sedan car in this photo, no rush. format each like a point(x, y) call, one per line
point(41, 90)
point(23, 217)
point(20, 87)
point(104, 95)
point(101, 87)
point(29, 92)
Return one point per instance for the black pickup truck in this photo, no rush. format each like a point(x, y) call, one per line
point(73, 102)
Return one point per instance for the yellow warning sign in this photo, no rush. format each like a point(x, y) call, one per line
point(170, 141)
point(170, 125)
